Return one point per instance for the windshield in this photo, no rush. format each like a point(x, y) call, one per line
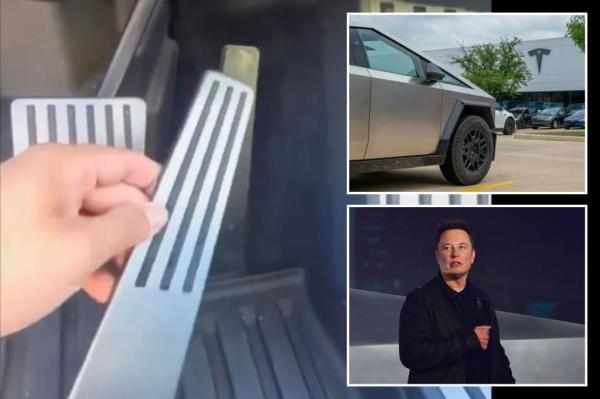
point(578, 114)
point(549, 111)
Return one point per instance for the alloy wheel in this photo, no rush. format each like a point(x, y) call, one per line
point(475, 149)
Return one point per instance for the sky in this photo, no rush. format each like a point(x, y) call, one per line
point(434, 32)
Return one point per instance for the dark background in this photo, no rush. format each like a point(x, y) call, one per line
point(556, 6)
point(529, 260)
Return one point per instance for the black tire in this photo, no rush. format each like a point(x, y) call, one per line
point(554, 124)
point(509, 126)
point(535, 127)
point(470, 152)
point(520, 124)
point(567, 127)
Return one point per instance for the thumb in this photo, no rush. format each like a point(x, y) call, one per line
point(122, 227)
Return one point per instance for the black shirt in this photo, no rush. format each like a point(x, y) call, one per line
point(473, 314)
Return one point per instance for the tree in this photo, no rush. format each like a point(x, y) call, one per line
point(576, 30)
point(499, 69)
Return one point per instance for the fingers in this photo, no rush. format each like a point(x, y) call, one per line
point(102, 199)
point(100, 285)
point(486, 331)
point(151, 188)
point(97, 165)
point(120, 228)
point(71, 172)
point(483, 334)
point(483, 330)
point(117, 165)
point(121, 258)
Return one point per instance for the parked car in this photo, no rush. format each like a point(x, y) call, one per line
point(504, 120)
point(407, 111)
point(552, 105)
point(508, 104)
point(523, 116)
point(533, 106)
point(576, 120)
point(577, 106)
point(550, 117)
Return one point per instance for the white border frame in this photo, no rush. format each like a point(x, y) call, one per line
point(349, 14)
point(348, 207)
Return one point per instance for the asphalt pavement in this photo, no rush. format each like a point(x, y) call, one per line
point(520, 166)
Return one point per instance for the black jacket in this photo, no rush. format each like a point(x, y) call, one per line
point(433, 343)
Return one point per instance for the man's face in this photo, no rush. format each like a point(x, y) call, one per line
point(455, 254)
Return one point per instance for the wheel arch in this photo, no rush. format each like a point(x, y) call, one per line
point(461, 109)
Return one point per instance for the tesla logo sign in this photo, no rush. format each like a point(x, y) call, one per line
point(539, 53)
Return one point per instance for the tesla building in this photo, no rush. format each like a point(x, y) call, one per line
point(557, 69)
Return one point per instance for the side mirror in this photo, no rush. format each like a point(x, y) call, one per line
point(433, 73)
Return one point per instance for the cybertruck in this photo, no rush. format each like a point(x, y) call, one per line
point(406, 111)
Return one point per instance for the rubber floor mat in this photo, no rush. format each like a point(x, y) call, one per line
point(257, 337)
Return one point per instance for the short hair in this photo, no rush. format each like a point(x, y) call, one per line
point(453, 223)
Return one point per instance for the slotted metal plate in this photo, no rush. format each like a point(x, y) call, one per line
point(117, 122)
point(141, 343)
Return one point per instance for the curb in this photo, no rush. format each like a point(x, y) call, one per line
point(525, 136)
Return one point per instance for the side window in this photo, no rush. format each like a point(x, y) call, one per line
point(356, 52)
point(450, 80)
point(352, 57)
point(385, 55)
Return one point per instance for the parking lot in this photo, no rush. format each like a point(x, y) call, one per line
point(542, 164)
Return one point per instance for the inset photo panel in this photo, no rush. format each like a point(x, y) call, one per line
point(472, 296)
point(467, 102)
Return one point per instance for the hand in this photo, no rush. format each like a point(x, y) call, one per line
point(65, 211)
point(483, 334)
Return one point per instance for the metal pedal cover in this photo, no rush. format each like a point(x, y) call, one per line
point(117, 122)
point(140, 346)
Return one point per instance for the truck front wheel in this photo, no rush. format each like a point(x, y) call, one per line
point(470, 152)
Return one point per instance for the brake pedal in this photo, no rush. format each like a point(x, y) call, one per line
point(117, 122)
